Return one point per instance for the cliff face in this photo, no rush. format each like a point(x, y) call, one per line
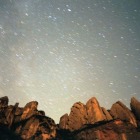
point(84, 122)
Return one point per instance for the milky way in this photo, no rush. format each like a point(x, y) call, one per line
point(59, 52)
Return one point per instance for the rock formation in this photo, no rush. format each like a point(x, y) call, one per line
point(108, 117)
point(120, 111)
point(114, 130)
point(36, 127)
point(95, 112)
point(91, 121)
point(29, 110)
point(85, 122)
point(4, 102)
point(135, 107)
point(27, 122)
point(77, 116)
point(85, 114)
point(63, 121)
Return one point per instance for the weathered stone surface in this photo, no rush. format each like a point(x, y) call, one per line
point(135, 107)
point(107, 114)
point(42, 113)
point(84, 122)
point(94, 111)
point(18, 113)
point(4, 102)
point(3, 106)
point(10, 114)
point(84, 114)
point(77, 117)
point(29, 110)
point(120, 111)
point(36, 127)
point(63, 123)
point(27, 123)
point(114, 130)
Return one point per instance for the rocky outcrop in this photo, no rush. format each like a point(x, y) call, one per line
point(84, 122)
point(84, 114)
point(3, 105)
point(27, 122)
point(36, 127)
point(4, 102)
point(120, 111)
point(63, 122)
point(77, 117)
point(10, 114)
point(29, 110)
point(114, 130)
point(107, 114)
point(94, 111)
point(135, 107)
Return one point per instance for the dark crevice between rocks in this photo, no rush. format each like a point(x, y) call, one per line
point(6, 134)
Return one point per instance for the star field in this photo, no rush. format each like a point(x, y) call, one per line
point(65, 51)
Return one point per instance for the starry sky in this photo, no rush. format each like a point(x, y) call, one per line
point(59, 52)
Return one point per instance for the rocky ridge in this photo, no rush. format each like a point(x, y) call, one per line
point(87, 121)
point(27, 122)
point(84, 114)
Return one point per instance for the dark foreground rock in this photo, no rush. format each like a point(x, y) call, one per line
point(85, 122)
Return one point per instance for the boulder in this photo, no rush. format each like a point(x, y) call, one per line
point(94, 111)
point(120, 111)
point(107, 114)
point(29, 110)
point(77, 117)
point(63, 123)
point(135, 107)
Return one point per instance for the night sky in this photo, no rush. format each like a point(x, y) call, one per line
point(59, 52)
